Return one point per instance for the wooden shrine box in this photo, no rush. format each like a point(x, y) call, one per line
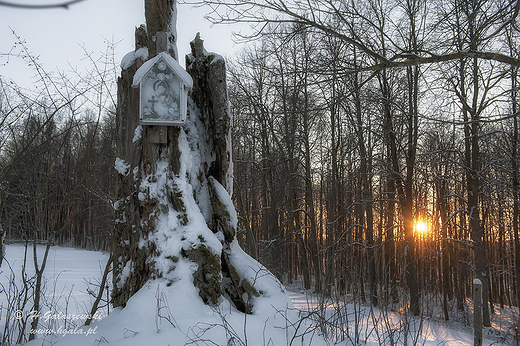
point(164, 87)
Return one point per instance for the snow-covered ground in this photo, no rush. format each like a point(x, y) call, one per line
point(157, 315)
point(174, 315)
point(353, 324)
point(69, 276)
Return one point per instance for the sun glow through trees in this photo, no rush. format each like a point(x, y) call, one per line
point(421, 227)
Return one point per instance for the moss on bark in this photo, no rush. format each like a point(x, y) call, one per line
point(207, 277)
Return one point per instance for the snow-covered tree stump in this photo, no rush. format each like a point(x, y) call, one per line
point(176, 220)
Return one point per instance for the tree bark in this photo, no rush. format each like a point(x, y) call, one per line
point(366, 195)
point(159, 15)
point(404, 189)
point(99, 296)
point(515, 183)
point(2, 246)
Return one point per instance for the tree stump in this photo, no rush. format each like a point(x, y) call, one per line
point(174, 209)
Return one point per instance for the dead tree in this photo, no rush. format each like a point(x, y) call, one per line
point(174, 208)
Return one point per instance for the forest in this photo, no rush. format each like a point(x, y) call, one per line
point(375, 149)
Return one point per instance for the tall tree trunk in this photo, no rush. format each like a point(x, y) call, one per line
point(390, 244)
point(333, 202)
point(471, 109)
point(404, 187)
point(409, 219)
point(514, 175)
point(2, 246)
point(472, 156)
point(413, 10)
point(366, 195)
point(391, 188)
point(515, 184)
point(445, 254)
point(290, 120)
point(309, 191)
point(311, 217)
point(38, 284)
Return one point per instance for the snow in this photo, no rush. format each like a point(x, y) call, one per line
point(175, 229)
point(228, 203)
point(272, 293)
point(2, 247)
point(125, 273)
point(174, 315)
point(130, 58)
point(195, 153)
point(69, 275)
point(385, 327)
point(137, 133)
point(172, 30)
point(161, 313)
point(216, 57)
point(122, 166)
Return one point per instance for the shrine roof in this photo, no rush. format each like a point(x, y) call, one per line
point(168, 59)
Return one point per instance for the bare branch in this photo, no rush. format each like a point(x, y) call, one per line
point(320, 16)
point(417, 60)
point(64, 5)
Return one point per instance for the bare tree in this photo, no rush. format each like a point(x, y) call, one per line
point(323, 16)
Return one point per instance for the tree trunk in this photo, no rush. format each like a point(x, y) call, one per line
point(514, 177)
point(366, 195)
point(516, 203)
point(404, 191)
point(472, 159)
point(445, 254)
point(390, 252)
point(2, 247)
point(99, 296)
point(161, 16)
point(174, 192)
point(309, 191)
point(38, 284)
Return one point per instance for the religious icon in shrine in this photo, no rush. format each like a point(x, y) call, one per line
point(164, 87)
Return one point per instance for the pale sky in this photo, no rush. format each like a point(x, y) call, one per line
point(58, 35)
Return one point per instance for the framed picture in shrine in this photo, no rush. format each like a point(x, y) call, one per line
point(164, 86)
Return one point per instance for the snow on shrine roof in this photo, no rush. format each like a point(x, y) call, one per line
point(167, 58)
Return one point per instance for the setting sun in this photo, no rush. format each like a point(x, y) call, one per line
point(421, 227)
